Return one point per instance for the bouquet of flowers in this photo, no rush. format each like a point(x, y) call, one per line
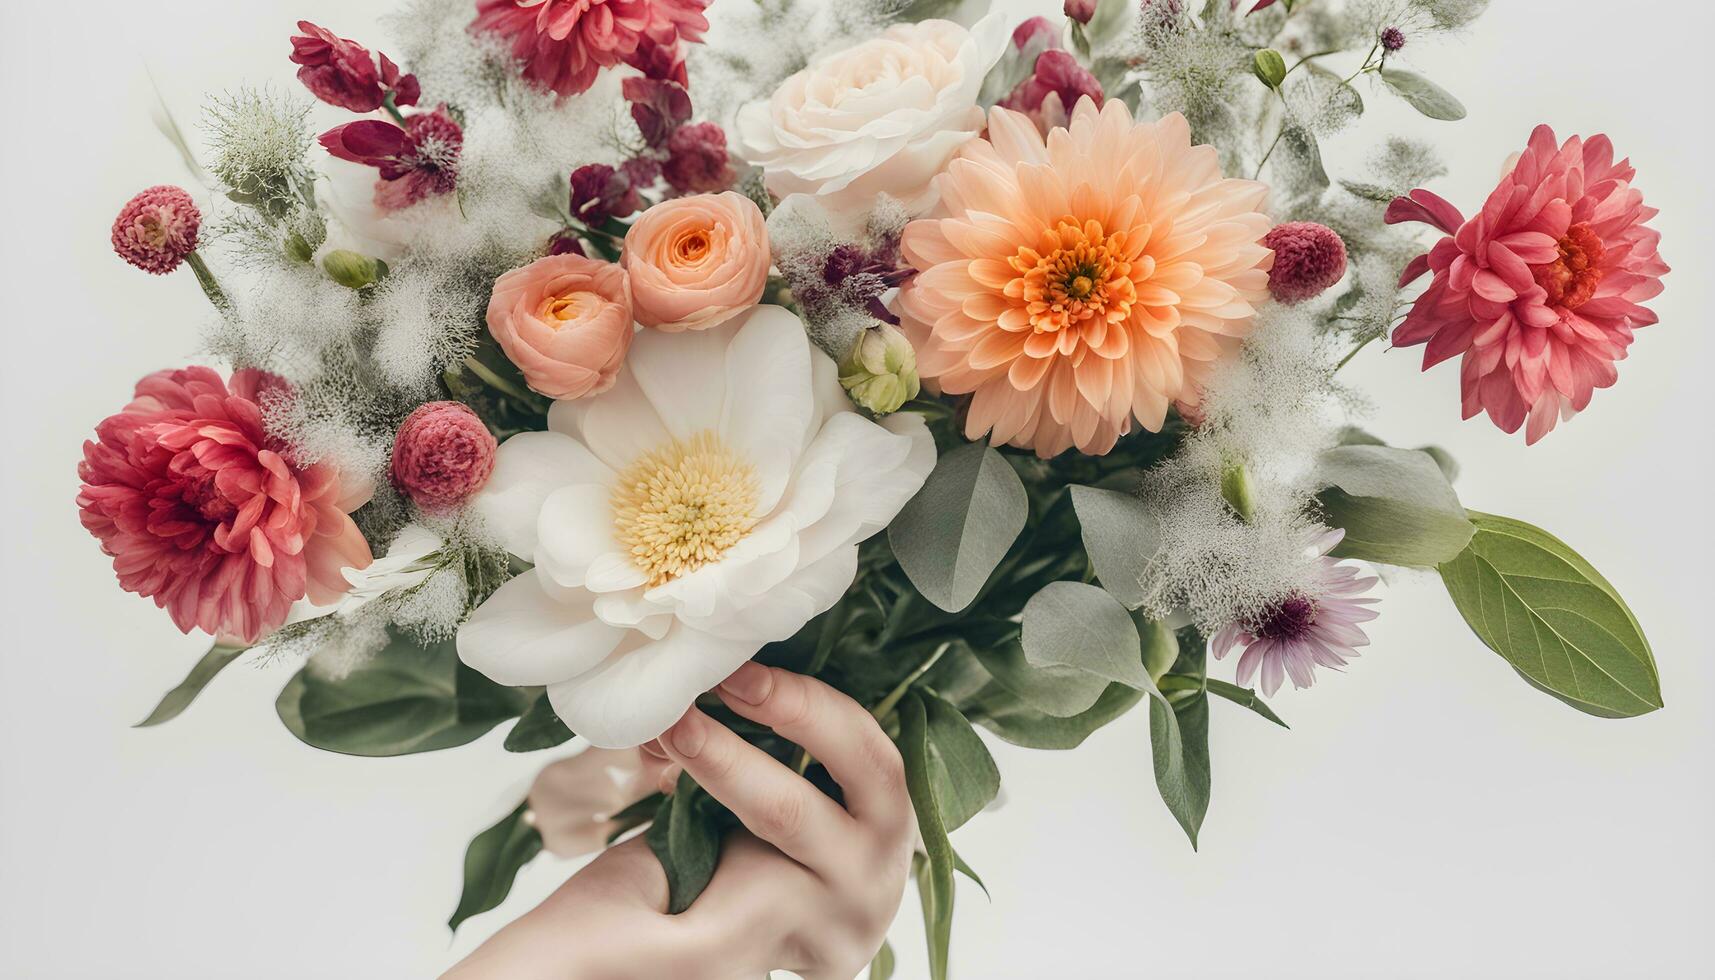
point(987, 371)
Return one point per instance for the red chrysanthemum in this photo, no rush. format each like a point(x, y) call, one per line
point(1539, 291)
point(564, 43)
point(202, 513)
point(156, 229)
point(442, 454)
point(416, 161)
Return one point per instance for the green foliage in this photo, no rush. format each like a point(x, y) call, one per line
point(1120, 535)
point(1053, 689)
point(950, 537)
point(539, 728)
point(1536, 602)
point(1076, 625)
point(881, 968)
point(179, 698)
point(407, 698)
point(1423, 95)
point(1395, 506)
point(1179, 744)
point(492, 861)
point(1269, 67)
point(963, 772)
point(686, 839)
point(935, 875)
point(1016, 722)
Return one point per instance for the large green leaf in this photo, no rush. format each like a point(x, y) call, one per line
point(1014, 721)
point(686, 840)
point(963, 772)
point(539, 728)
point(492, 862)
point(1424, 95)
point(1120, 536)
point(1077, 625)
point(1395, 506)
point(1052, 689)
point(179, 698)
point(407, 698)
point(953, 533)
point(1534, 601)
point(935, 876)
point(1179, 744)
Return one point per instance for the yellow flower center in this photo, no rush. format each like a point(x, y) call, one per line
point(1079, 273)
point(683, 506)
point(572, 306)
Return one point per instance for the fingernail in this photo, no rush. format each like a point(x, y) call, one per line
point(688, 735)
point(750, 683)
point(653, 747)
point(669, 778)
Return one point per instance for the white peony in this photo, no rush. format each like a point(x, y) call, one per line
point(709, 503)
point(881, 117)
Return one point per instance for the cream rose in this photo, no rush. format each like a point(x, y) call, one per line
point(883, 117)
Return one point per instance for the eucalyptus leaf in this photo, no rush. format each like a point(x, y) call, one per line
point(687, 841)
point(881, 968)
point(1423, 95)
point(406, 698)
point(1536, 602)
point(175, 701)
point(539, 728)
point(1395, 506)
point(1120, 535)
point(935, 878)
point(492, 861)
point(964, 774)
point(1017, 722)
point(1179, 747)
point(1052, 689)
point(1079, 625)
point(958, 527)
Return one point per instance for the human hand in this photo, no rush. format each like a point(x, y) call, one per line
point(811, 887)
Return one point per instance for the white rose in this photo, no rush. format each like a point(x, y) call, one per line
point(883, 117)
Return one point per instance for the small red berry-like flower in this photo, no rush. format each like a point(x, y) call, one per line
point(156, 229)
point(442, 455)
point(697, 160)
point(1080, 10)
point(1308, 258)
point(1392, 39)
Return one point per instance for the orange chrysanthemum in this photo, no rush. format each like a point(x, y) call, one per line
point(1074, 285)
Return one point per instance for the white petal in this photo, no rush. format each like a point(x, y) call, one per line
point(645, 685)
point(880, 468)
point(769, 404)
point(575, 528)
point(681, 375)
point(617, 425)
point(811, 591)
point(524, 634)
point(612, 571)
point(527, 468)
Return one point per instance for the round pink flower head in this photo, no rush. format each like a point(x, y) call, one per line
point(1538, 292)
point(442, 454)
point(1308, 258)
point(564, 43)
point(156, 229)
point(203, 512)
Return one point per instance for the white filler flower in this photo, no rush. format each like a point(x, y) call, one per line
point(709, 503)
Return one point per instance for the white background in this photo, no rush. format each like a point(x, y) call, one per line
point(1428, 815)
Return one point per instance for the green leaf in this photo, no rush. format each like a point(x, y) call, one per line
point(492, 861)
point(687, 842)
point(1534, 601)
point(1395, 505)
point(539, 728)
point(1242, 696)
point(179, 698)
point(407, 698)
point(1120, 535)
point(881, 968)
point(1179, 747)
point(1017, 722)
point(961, 867)
point(1052, 689)
point(1299, 146)
point(935, 878)
point(963, 772)
point(1082, 626)
point(1424, 95)
point(954, 532)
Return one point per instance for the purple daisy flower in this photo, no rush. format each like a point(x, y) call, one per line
point(1317, 626)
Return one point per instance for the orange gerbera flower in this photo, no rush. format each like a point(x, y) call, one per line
point(1074, 285)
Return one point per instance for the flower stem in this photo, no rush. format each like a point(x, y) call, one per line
point(1354, 351)
point(887, 704)
point(497, 382)
point(393, 110)
point(210, 287)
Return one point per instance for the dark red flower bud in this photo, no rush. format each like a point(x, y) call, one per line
point(341, 72)
point(600, 192)
point(697, 160)
point(658, 107)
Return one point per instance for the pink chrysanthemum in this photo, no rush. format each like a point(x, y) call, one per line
point(156, 229)
point(201, 512)
point(1540, 290)
point(1315, 627)
point(442, 454)
point(1308, 258)
point(564, 43)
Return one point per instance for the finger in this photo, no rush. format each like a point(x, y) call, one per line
point(775, 803)
point(834, 729)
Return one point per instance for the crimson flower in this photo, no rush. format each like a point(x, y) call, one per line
point(416, 161)
point(342, 72)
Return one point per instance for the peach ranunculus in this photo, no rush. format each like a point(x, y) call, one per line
point(881, 117)
point(1078, 284)
point(565, 321)
point(697, 261)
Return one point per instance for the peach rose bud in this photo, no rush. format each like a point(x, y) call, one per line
point(565, 321)
point(696, 261)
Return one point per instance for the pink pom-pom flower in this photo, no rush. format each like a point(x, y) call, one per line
point(1539, 292)
point(202, 512)
point(1308, 258)
point(156, 229)
point(564, 43)
point(442, 454)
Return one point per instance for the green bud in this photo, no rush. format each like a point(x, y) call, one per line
point(1270, 67)
point(1236, 490)
point(352, 269)
point(298, 248)
point(880, 371)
